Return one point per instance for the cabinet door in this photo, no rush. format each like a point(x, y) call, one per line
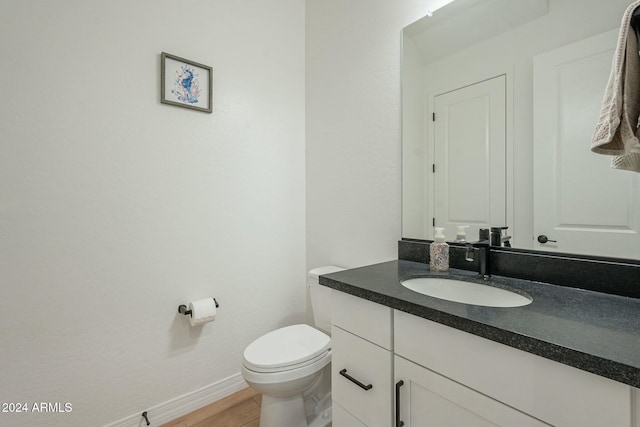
point(341, 418)
point(428, 399)
point(368, 364)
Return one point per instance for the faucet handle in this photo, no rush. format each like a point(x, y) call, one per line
point(468, 256)
point(498, 236)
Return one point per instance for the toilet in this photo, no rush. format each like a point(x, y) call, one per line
point(291, 368)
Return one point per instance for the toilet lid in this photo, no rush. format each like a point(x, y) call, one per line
point(286, 348)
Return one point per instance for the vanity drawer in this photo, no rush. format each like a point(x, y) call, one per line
point(368, 364)
point(364, 318)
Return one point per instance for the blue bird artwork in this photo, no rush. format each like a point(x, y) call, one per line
point(186, 85)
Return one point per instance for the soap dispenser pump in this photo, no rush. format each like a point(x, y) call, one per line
point(461, 235)
point(439, 252)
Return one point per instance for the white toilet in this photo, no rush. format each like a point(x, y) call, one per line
point(291, 368)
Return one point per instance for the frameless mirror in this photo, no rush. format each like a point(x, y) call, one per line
point(500, 99)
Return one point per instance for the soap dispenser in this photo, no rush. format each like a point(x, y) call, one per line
point(461, 234)
point(439, 252)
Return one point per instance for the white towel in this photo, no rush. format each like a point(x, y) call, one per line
point(616, 133)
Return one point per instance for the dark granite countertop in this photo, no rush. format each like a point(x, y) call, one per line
point(592, 331)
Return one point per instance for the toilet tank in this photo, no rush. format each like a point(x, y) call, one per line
point(321, 297)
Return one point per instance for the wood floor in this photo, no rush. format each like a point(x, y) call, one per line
point(241, 409)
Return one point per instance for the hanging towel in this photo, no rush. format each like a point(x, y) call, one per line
point(616, 133)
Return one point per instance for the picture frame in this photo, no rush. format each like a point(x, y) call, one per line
point(185, 83)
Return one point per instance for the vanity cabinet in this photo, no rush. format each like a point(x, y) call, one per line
point(450, 378)
point(361, 362)
point(477, 377)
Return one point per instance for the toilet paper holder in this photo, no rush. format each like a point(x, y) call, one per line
point(182, 309)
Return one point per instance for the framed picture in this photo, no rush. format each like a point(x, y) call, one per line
point(185, 83)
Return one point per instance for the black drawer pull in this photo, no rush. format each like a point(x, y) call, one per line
point(399, 422)
point(355, 381)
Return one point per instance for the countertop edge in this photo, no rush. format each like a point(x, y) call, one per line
point(586, 362)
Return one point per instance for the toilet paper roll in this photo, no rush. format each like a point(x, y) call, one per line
point(202, 311)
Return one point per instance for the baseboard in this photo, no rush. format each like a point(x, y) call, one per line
point(182, 405)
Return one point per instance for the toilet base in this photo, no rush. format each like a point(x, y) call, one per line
point(282, 411)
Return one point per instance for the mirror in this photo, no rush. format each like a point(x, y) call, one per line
point(481, 65)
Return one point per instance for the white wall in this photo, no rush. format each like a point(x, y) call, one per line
point(115, 209)
point(415, 153)
point(354, 128)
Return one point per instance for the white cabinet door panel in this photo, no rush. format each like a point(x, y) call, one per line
point(429, 399)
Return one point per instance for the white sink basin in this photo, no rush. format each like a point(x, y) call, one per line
point(465, 292)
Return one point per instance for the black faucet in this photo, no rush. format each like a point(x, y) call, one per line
point(497, 237)
point(483, 246)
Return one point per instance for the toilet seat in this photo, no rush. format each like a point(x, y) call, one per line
point(288, 375)
point(285, 349)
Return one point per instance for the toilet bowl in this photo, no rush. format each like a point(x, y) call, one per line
point(283, 365)
point(290, 367)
